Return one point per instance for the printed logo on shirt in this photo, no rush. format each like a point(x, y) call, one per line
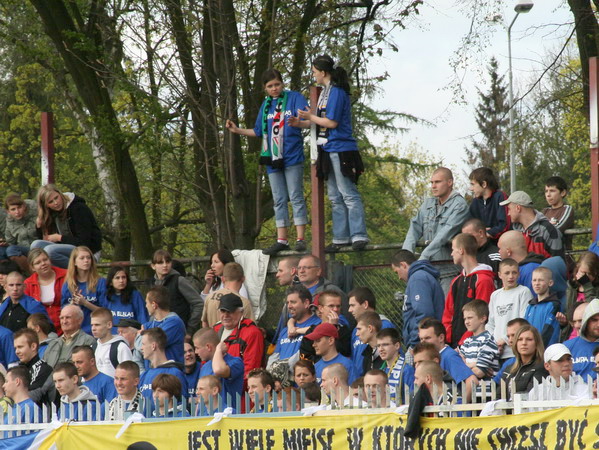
point(272, 116)
point(145, 387)
point(503, 310)
point(291, 341)
point(417, 297)
point(581, 359)
point(126, 314)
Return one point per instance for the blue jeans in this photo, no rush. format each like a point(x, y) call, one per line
point(17, 250)
point(286, 185)
point(349, 222)
point(59, 253)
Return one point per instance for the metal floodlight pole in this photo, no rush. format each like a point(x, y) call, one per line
point(521, 7)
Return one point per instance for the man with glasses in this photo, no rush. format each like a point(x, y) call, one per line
point(309, 272)
point(399, 374)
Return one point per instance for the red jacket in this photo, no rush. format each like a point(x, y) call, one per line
point(32, 289)
point(478, 284)
point(247, 342)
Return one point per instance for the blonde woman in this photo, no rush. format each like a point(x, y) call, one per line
point(64, 222)
point(83, 286)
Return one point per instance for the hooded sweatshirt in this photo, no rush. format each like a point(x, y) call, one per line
point(174, 328)
point(559, 274)
point(541, 315)
point(582, 346)
point(79, 227)
point(478, 284)
point(104, 361)
point(22, 231)
point(424, 298)
point(70, 409)
point(527, 266)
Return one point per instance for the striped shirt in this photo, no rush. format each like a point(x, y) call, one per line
point(481, 349)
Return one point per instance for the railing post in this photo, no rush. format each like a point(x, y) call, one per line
point(318, 219)
point(594, 144)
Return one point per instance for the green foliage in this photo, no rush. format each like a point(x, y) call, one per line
point(493, 123)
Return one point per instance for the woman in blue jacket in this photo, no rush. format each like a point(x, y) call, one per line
point(283, 155)
point(339, 160)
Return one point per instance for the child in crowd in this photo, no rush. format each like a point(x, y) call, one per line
point(123, 299)
point(479, 351)
point(541, 311)
point(261, 386)
point(20, 229)
point(111, 349)
point(507, 303)
point(485, 202)
point(559, 214)
point(584, 285)
point(84, 286)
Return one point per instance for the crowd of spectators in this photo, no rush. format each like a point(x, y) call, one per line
point(490, 298)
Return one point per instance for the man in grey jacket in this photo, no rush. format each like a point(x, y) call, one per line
point(59, 350)
point(438, 220)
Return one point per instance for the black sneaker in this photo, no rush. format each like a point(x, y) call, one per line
point(334, 248)
point(275, 248)
point(359, 245)
point(300, 246)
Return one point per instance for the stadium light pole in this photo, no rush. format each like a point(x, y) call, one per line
point(520, 8)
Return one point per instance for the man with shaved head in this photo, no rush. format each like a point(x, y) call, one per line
point(59, 350)
point(512, 244)
point(541, 236)
point(438, 220)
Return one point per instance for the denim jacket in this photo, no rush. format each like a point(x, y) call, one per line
point(437, 229)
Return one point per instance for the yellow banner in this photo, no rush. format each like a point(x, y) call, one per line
point(565, 428)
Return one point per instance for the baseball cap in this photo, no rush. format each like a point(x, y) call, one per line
point(129, 323)
point(322, 330)
point(555, 352)
point(519, 198)
point(230, 302)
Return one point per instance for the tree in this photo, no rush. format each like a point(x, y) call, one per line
point(493, 122)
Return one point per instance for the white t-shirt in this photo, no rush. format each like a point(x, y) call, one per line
point(47, 293)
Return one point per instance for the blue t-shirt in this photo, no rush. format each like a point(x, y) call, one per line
point(293, 142)
point(287, 347)
point(97, 298)
point(321, 364)
point(135, 309)
point(454, 364)
point(174, 328)
point(102, 386)
point(192, 380)
point(338, 108)
point(357, 347)
point(27, 413)
point(232, 385)
point(146, 378)
point(582, 356)
point(7, 348)
point(506, 364)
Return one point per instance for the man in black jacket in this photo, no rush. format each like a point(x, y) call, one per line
point(41, 386)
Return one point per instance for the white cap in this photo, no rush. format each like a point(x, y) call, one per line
point(555, 352)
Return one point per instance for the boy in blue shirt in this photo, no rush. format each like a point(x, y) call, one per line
point(153, 347)
point(100, 384)
point(542, 309)
point(159, 308)
point(16, 387)
point(323, 338)
point(479, 351)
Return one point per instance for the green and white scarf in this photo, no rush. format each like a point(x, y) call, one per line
point(272, 152)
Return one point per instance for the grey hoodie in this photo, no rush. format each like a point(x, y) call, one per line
point(590, 311)
point(85, 394)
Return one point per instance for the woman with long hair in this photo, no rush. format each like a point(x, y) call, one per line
point(339, 161)
point(65, 222)
point(218, 261)
point(83, 285)
point(45, 284)
point(283, 155)
point(529, 365)
point(122, 298)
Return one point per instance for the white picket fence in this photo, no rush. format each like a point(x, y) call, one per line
point(451, 404)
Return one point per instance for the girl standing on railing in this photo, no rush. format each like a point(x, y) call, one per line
point(283, 155)
point(339, 161)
